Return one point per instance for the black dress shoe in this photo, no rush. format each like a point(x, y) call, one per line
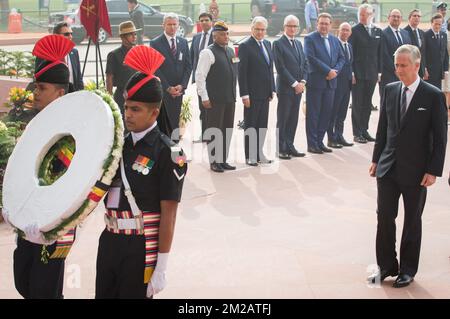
point(360, 139)
point(216, 167)
point(325, 149)
point(228, 167)
point(382, 275)
point(251, 163)
point(334, 145)
point(368, 137)
point(345, 143)
point(402, 280)
point(265, 161)
point(296, 153)
point(284, 156)
point(315, 150)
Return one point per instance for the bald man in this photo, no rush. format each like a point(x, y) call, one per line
point(342, 96)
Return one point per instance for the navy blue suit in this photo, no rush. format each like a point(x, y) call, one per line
point(389, 45)
point(320, 91)
point(174, 71)
point(292, 66)
point(255, 80)
point(341, 98)
point(436, 57)
point(195, 53)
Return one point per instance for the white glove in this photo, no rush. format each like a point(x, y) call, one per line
point(34, 235)
point(158, 281)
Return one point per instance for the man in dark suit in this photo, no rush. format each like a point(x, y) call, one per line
point(417, 36)
point(292, 74)
point(393, 37)
point(201, 41)
point(72, 59)
point(436, 54)
point(342, 96)
point(137, 16)
point(256, 86)
point(408, 155)
point(326, 59)
point(366, 43)
point(175, 71)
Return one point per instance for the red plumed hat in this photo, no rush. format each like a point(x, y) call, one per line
point(146, 61)
point(50, 52)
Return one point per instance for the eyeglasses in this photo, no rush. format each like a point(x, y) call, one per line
point(66, 34)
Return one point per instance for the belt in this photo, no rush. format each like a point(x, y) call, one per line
point(136, 223)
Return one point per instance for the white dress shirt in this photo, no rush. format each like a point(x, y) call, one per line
point(411, 90)
point(293, 85)
point(69, 65)
point(205, 60)
point(169, 39)
point(399, 33)
point(139, 135)
point(208, 36)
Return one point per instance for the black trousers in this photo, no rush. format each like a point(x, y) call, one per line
point(362, 93)
point(173, 110)
point(120, 267)
point(255, 118)
point(339, 113)
point(219, 120)
point(120, 100)
point(33, 278)
point(414, 197)
point(202, 114)
point(287, 120)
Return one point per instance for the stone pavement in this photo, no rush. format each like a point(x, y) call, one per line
point(303, 228)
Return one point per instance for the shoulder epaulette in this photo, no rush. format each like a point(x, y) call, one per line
point(174, 147)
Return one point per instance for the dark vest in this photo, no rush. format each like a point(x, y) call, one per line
point(221, 79)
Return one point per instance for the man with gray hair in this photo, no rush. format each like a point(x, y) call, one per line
point(409, 153)
point(256, 86)
point(366, 43)
point(292, 74)
point(174, 72)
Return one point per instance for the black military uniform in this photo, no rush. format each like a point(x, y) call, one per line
point(39, 269)
point(120, 72)
point(155, 168)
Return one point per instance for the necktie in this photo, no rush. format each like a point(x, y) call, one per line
point(347, 53)
point(264, 52)
point(295, 47)
point(419, 42)
point(173, 48)
point(403, 108)
point(399, 40)
point(203, 42)
point(327, 45)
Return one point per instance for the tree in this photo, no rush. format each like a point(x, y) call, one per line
point(4, 8)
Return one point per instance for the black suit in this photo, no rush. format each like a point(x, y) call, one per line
point(436, 57)
point(176, 70)
point(137, 16)
point(366, 66)
point(389, 46)
point(195, 53)
point(405, 150)
point(291, 66)
point(256, 81)
point(415, 41)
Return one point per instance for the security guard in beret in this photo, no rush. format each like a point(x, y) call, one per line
point(118, 74)
point(142, 202)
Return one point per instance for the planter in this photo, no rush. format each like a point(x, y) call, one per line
point(6, 83)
